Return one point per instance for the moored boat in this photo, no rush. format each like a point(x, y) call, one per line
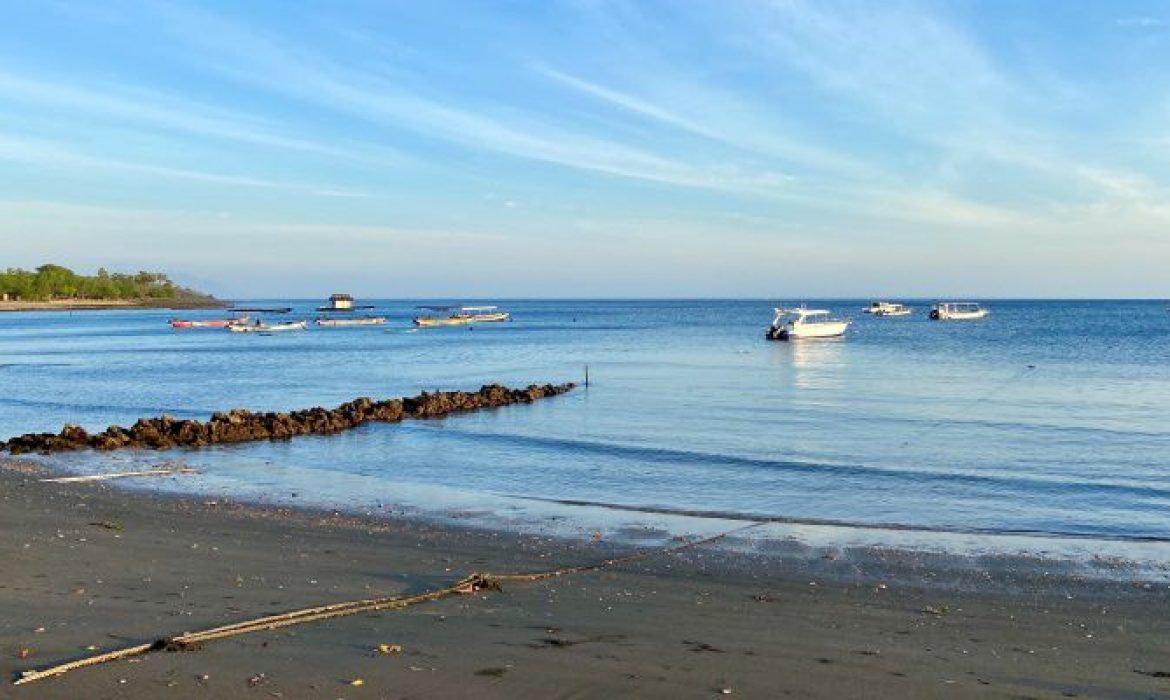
point(789, 324)
point(958, 311)
point(462, 316)
point(346, 322)
point(259, 327)
point(885, 308)
point(181, 323)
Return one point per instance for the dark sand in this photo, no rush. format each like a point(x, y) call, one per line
point(699, 624)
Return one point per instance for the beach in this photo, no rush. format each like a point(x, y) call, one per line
point(91, 567)
point(110, 304)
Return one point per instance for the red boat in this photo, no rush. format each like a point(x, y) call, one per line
point(213, 323)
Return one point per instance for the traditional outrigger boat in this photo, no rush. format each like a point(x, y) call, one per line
point(259, 327)
point(805, 323)
point(182, 323)
point(958, 311)
point(462, 316)
point(885, 308)
point(346, 322)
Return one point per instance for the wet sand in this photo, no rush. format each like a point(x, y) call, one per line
point(92, 565)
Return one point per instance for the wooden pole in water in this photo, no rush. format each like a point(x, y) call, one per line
point(586, 376)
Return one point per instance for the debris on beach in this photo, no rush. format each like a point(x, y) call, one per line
point(240, 425)
point(117, 475)
point(471, 584)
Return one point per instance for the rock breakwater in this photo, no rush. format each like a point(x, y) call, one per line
point(239, 425)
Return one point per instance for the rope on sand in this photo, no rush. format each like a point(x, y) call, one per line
point(473, 583)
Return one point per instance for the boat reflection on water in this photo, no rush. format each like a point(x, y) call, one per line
point(815, 364)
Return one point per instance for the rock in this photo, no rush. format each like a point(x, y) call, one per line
point(240, 425)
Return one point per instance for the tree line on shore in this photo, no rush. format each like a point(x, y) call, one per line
point(49, 282)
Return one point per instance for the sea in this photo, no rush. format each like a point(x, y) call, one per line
point(1044, 428)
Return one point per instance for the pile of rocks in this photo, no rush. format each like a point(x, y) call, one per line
point(240, 425)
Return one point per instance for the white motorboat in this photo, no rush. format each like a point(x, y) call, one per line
point(958, 311)
point(259, 327)
point(885, 308)
point(805, 323)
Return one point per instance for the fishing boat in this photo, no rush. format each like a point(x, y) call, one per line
point(958, 311)
point(462, 316)
point(259, 327)
point(789, 324)
point(885, 308)
point(346, 322)
point(181, 323)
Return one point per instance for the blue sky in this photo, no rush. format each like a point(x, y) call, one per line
point(593, 148)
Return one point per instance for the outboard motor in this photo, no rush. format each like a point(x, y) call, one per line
point(776, 333)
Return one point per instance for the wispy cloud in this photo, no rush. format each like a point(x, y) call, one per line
point(42, 153)
point(144, 107)
point(754, 128)
point(262, 60)
point(1146, 22)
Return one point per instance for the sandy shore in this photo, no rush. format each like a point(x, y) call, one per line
point(100, 304)
point(93, 566)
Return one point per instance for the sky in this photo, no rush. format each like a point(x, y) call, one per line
point(592, 148)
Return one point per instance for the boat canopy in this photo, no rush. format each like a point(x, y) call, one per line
point(960, 306)
point(802, 315)
point(801, 311)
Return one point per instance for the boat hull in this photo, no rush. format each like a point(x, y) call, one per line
point(274, 328)
point(179, 323)
point(460, 320)
point(809, 330)
point(350, 322)
point(958, 315)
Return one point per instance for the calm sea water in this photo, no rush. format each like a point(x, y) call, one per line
point(1048, 417)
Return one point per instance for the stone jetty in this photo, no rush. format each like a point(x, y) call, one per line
point(239, 425)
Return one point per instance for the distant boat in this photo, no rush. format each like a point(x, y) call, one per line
point(180, 323)
point(342, 303)
point(345, 322)
point(885, 308)
point(789, 324)
point(269, 327)
point(958, 311)
point(462, 316)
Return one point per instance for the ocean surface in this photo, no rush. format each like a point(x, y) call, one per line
point(1048, 420)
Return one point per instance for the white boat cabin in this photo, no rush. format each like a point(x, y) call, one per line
point(958, 311)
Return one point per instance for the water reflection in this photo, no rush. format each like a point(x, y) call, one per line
point(817, 363)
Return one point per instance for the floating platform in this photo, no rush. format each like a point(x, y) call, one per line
point(262, 309)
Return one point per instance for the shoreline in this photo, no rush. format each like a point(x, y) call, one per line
point(110, 304)
point(96, 565)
